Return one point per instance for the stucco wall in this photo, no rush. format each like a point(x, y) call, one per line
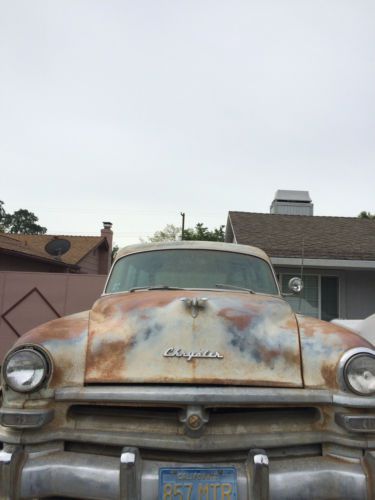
point(360, 294)
point(96, 262)
point(29, 299)
point(11, 263)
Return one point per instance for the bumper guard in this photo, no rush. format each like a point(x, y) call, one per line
point(81, 475)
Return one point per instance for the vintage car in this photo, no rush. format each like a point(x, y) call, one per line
point(190, 379)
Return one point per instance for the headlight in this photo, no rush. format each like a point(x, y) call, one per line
point(25, 370)
point(359, 373)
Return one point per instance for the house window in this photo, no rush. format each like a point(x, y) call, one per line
point(330, 297)
point(319, 297)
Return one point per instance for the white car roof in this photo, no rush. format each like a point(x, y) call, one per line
point(196, 245)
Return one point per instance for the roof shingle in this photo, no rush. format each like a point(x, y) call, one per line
point(320, 237)
point(34, 245)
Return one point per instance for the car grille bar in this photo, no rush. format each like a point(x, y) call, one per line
point(211, 395)
point(167, 394)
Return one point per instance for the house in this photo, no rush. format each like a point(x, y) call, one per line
point(335, 255)
point(57, 254)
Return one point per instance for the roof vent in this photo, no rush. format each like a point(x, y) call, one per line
point(292, 203)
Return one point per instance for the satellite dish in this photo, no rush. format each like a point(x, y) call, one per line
point(57, 247)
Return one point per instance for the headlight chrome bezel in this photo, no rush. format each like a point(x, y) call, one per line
point(42, 355)
point(344, 365)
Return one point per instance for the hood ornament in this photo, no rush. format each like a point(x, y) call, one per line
point(195, 304)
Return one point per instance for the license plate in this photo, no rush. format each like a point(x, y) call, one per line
point(203, 483)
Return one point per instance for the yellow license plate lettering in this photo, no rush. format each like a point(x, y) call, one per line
point(177, 491)
point(226, 491)
point(189, 488)
point(168, 492)
point(203, 492)
point(219, 491)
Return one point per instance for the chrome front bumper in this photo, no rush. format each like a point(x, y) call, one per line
point(79, 451)
point(88, 476)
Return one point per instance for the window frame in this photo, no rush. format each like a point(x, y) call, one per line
point(320, 275)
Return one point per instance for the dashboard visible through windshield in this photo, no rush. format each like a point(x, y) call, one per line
point(191, 268)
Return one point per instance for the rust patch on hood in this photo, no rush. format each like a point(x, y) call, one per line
point(66, 341)
point(255, 338)
point(322, 346)
point(110, 304)
point(240, 320)
point(65, 328)
point(110, 358)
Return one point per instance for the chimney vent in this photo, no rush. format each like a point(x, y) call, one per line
point(105, 261)
point(292, 203)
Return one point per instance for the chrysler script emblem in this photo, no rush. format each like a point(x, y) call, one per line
point(173, 352)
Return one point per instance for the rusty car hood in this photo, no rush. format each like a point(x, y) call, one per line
point(161, 337)
point(322, 345)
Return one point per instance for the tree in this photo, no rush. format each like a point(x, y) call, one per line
point(169, 233)
point(366, 215)
point(115, 249)
point(199, 233)
point(202, 233)
point(2, 217)
point(21, 221)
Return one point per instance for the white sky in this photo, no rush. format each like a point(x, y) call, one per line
point(133, 111)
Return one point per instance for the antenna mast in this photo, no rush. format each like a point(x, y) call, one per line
point(183, 225)
point(301, 273)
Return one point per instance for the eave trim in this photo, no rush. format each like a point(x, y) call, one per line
point(323, 263)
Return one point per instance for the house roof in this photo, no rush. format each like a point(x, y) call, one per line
point(278, 235)
point(34, 246)
point(12, 246)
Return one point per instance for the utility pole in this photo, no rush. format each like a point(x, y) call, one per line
point(183, 224)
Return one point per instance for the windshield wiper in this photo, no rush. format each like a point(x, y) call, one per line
point(156, 287)
point(233, 287)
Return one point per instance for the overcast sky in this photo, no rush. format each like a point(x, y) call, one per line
point(133, 111)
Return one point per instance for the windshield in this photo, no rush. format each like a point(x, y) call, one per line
point(186, 268)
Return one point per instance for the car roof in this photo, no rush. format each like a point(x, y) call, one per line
point(193, 245)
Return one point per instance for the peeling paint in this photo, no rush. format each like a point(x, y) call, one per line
point(256, 334)
point(322, 347)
